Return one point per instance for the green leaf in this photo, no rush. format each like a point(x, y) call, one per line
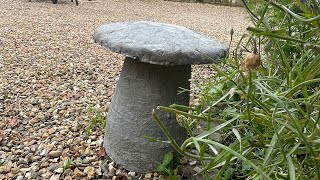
point(228, 173)
point(239, 156)
point(162, 169)
point(300, 18)
point(196, 144)
point(297, 87)
point(237, 134)
point(167, 158)
point(216, 128)
point(271, 146)
point(155, 140)
point(312, 70)
point(292, 172)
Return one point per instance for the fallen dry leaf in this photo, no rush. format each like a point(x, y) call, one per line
point(101, 152)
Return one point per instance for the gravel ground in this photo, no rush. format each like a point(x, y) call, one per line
point(51, 71)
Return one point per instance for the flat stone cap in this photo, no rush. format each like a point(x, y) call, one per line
point(158, 43)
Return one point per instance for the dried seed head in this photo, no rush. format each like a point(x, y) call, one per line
point(251, 61)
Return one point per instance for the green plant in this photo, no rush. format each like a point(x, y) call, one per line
point(67, 163)
point(268, 115)
point(97, 119)
point(167, 166)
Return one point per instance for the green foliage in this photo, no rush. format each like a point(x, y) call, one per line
point(67, 163)
point(166, 167)
point(269, 117)
point(97, 120)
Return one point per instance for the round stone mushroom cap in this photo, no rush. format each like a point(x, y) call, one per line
point(158, 43)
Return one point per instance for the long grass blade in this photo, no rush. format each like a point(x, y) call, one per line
point(292, 171)
point(239, 156)
point(216, 128)
point(238, 136)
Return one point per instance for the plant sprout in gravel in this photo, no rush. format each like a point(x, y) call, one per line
point(269, 116)
point(97, 119)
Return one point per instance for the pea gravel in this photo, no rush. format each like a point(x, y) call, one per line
point(51, 72)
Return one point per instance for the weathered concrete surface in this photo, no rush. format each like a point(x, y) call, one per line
point(158, 62)
point(158, 43)
point(141, 88)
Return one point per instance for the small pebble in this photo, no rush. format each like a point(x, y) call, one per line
point(132, 174)
point(112, 172)
point(28, 175)
point(20, 177)
point(54, 154)
point(35, 158)
point(52, 167)
point(77, 172)
point(24, 170)
point(192, 163)
point(22, 161)
point(104, 167)
point(148, 176)
point(58, 171)
point(197, 169)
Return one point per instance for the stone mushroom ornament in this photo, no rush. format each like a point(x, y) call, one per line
point(157, 63)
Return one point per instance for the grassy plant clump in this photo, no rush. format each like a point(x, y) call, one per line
point(67, 163)
point(265, 98)
point(166, 167)
point(97, 120)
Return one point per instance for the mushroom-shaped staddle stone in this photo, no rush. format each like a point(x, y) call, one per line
point(158, 62)
point(157, 43)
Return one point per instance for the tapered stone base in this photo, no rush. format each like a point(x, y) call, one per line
point(140, 89)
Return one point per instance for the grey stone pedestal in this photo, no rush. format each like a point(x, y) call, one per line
point(141, 88)
point(158, 62)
